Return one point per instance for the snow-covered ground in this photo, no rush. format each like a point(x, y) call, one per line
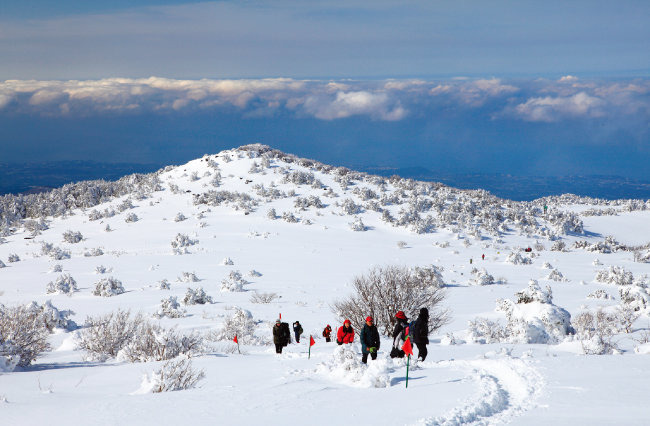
point(534, 372)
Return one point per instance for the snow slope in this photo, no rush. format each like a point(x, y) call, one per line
point(308, 258)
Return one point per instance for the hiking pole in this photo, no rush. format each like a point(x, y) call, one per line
point(408, 361)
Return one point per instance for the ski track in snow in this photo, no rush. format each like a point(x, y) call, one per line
point(508, 388)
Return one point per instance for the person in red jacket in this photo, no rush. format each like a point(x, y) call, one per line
point(345, 333)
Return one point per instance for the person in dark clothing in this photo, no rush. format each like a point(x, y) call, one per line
point(327, 333)
point(369, 341)
point(399, 335)
point(421, 333)
point(297, 330)
point(280, 336)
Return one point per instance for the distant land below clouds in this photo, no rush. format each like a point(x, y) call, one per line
point(43, 176)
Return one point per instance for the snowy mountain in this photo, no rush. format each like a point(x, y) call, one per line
point(547, 301)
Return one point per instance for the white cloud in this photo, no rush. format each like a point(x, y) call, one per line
point(347, 104)
point(551, 109)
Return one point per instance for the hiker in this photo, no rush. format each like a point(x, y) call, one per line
point(327, 332)
point(297, 330)
point(483, 256)
point(470, 260)
point(369, 341)
point(420, 333)
point(345, 333)
point(281, 335)
point(399, 335)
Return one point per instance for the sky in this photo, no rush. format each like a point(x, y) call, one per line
point(520, 87)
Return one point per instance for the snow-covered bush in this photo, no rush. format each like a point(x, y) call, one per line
point(556, 275)
point(599, 294)
point(615, 275)
point(107, 287)
point(170, 308)
point(94, 252)
point(558, 245)
point(179, 217)
point(64, 284)
point(2, 264)
point(385, 290)
point(596, 331)
point(52, 317)
point(163, 285)
point(516, 258)
point(349, 207)
point(72, 237)
point(13, 258)
point(181, 242)
point(196, 297)
point(635, 296)
point(174, 375)
point(271, 214)
point(254, 273)
point(227, 261)
point(188, 277)
point(57, 268)
point(533, 318)
point(118, 334)
point(289, 217)
point(23, 336)
point(307, 202)
point(242, 325)
point(234, 282)
point(345, 365)
point(263, 298)
point(358, 225)
point(481, 277)
point(483, 330)
point(55, 253)
point(131, 218)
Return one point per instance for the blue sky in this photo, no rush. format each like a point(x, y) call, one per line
point(521, 87)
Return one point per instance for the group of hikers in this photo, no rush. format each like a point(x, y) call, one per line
point(417, 331)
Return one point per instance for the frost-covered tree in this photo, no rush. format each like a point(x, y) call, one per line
point(179, 217)
point(23, 336)
point(615, 275)
point(13, 258)
point(481, 277)
point(196, 297)
point(188, 277)
point(242, 325)
point(174, 375)
point(72, 237)
point(358, 225)
point(131, 218)
point(94, 252)
point(234, 282)
point(169, 307)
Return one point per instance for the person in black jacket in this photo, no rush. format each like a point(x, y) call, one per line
point(297, 329)
point(399, 335)
point(280, 335)
point(369, 341)
point(421, 333)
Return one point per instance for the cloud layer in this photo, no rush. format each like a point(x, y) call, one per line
point(568, 98)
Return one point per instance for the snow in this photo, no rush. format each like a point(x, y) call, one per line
point(309, 264)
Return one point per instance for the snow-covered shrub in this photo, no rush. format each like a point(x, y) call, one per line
point(181, 242)
point(599, 294)
point(615, 275)
point(596, 332)
point(386, 290)
point(310, 201)
point(174, 375)
point(13, 258)
point(188, 277)
point(170, 308)
point(196, 297)
point(534, 318)
point(23, 336)
point(179, 217)
point(349, 207)
point(72, 237)
point(254, 273)
point(163, 285)
point(481, 277)
point(64, 284)
point(357, 225)
point(107, 287)
point(101, 269)
point(94, 252)
point(118, 334)
point(234, 282)
point(2, 264)
point(289, 217)
point(345, 365)
point(634, 296)
point(52, 317)
point(483, 330)
point(57, 268)
point(108, 228)
point(558, 245)
point(299, 178)
point(556, 275)
point(516, 258)
point(547, 265)
point(131, 218)
point(271, 214)
point(227, 261)
point(401, 244)
point(242, 325)
point(263, 297)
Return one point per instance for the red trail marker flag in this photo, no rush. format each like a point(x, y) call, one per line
point(312, 342)
point(408, 349)
point(236, 341)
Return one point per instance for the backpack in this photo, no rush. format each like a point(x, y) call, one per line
point(412, 332)
point(285, 334)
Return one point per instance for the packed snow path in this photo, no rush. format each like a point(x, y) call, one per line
point(507, 388)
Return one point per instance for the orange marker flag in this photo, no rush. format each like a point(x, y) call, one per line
point(235, 339)
point(407, 347)
point(312, 342)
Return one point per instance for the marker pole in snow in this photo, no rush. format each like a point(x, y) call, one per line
point(408, 361)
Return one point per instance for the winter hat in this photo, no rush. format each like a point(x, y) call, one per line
point(369, 319)
point(347, 321)
point(277, 321)
point(400, 315)
point(424, 312)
